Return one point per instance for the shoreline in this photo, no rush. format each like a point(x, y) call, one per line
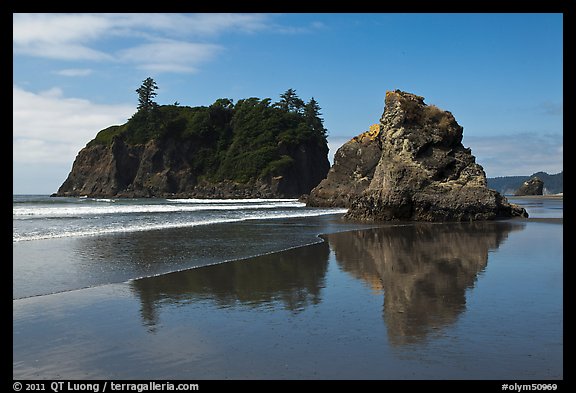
point(208, 249)
point(323, 299)
point(318, 237)
point(548, 196)
point(290, 314)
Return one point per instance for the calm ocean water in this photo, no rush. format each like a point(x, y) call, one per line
point(104, 289)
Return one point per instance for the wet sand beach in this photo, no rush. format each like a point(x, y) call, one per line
point(399, 301)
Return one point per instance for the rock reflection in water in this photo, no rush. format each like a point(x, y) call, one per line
point(423, 269)
point(293, 278)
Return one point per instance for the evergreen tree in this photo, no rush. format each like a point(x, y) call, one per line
point(290, 102)
point(146, 93)
point(224, 103)
point(312, 115)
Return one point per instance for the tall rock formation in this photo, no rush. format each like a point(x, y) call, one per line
point(352, 172)
point(532, 186)
point(424, 172)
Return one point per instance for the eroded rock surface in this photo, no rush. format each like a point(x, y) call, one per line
point(424, 173)
point(532, 186)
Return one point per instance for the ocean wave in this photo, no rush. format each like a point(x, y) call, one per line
point(233, 201)
point(127, 228)
point(79, 211)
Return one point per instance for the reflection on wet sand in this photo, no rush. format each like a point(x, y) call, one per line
point(293, 278)
point(423, 269)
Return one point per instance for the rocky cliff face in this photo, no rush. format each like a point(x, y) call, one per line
point(424, 172)
point(165, 168)
point(352, 172)
point(532, 186)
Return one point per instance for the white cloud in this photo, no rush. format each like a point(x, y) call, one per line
point(75, 36)
point(170, 56)
point(334, 143)
point(205, 24)
point(74, 72)
point(58, 36)
point(313, 26)
point(517, 154)
point(189, 25)
point(50, 128)
point(57, 28)
point(62, 51)
point(156, 42)
point(41, 151)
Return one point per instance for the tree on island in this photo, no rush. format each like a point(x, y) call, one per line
point(312, 115)
point(290, 102)
point(146, 120)
point(146, 93)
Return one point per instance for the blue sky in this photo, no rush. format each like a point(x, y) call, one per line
point(501, 75)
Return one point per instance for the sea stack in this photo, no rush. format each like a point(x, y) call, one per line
point(424, 173)
point(353, 169)
point(532, 186)
point(247, 149)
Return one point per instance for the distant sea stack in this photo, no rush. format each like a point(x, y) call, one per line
point(532, 186)
point(250, 149)
point(424, 173)
point(509, 185)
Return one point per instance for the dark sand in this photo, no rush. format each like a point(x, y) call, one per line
point(410, 301)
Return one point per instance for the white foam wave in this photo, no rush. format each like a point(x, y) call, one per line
point(232, 201)
point(169, 225)
point(81, 211)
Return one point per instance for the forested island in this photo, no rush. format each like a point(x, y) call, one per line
point(410, 166)
point(250, 148)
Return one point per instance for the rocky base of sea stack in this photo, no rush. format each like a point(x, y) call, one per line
point(476, 204)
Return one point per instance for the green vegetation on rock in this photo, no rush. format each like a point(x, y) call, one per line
point(252, 138)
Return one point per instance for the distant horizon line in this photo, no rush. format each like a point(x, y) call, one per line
point(487, 177)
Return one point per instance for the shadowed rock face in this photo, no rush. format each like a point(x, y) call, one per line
point(165, 169)
point(424, 172)
point(533, 186)
point(423, 269)
point(352, 172)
